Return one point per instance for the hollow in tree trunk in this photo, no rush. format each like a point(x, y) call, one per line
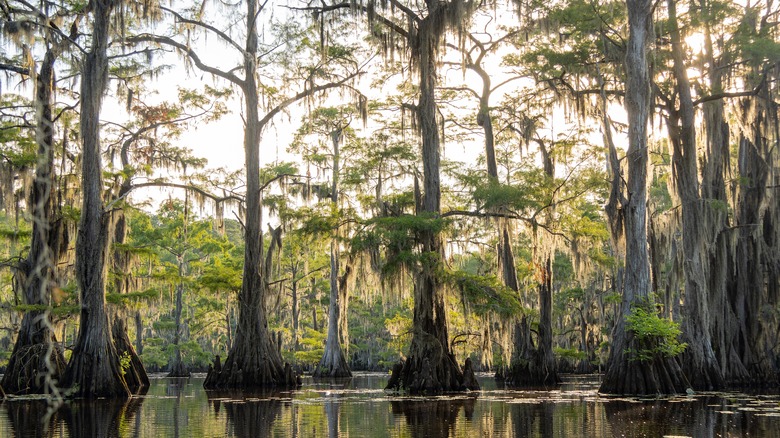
point(135, 373)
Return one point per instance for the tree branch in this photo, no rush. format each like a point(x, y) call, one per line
point(206, 26)
point(189, 53)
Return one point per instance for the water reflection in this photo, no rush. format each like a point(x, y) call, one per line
point(77, 418)
point(532, 419)
point(248, 414)
point(433, 417)
point(705, 416)
point(100, 418)
point(175, 388)
point(32, 418)
point(359, 407)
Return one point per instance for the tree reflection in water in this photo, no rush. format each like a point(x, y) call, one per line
point(99, 418)
point(532, 419)
point(80, 418)
point(433, 418)
point(249, 414)
point(333, 401)
point(178, 407)
point(29, 418)
point(700, 416)
point(174, 388)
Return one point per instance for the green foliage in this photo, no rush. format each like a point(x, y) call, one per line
point(653, 336)
point(659, 195)
point(399, 326)
point(484, 294)
point(15, 232)
point(570, 354)
point(154, 353)
point(313, 342)
point(57, 310)
point(124, 363)
point(517, 197)
point(144, 295)
point(613, 298)
point(193, 355)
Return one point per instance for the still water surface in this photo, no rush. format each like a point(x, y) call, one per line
point(360, 408)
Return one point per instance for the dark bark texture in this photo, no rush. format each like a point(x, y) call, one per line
point(536, 366)
point(699, 362)
point(37, 361)
point(94, 369)
point(431, 366)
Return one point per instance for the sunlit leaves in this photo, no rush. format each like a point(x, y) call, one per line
point(654, 336)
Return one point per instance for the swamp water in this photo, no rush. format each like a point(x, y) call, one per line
point(360, 408)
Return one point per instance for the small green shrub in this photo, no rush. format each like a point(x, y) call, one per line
point(124, 363)
point(653, 336)
point(570, 354)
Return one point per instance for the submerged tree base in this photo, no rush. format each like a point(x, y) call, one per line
point(654, 377)
point(178, 370)
point(333, 365)
point(532, 373)
point(251, 370)
point(418, 376)
point(28, 367)
point(95, 373)
point(135, 374)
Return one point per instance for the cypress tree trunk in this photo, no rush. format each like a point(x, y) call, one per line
point(699, 362)
point(505, 254)
point(724, 324)
point(753, 285)
point(36, 352)
point(333, 362)
point(254, 360)
point(94, 369)
point(538, 367)
point(431, 366)
point(625, 376)
point(177, 367)
point(135, 375)
point(756, 287)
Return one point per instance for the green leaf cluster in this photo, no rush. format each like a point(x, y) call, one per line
point(484, 294)
point(653, 336)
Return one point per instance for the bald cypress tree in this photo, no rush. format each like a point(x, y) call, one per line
point(627, 373)
point(94, 369)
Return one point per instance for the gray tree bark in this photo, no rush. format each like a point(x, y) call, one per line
point(624, 376)
point(431, 366)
